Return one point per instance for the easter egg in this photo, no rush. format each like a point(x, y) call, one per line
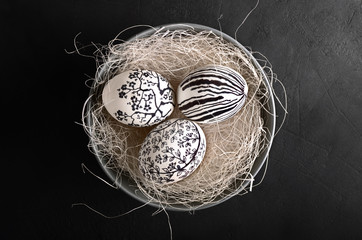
point(172, 151)
point(138, 98)
point(211, 94)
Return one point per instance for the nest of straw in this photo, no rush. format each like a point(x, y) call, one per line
point(232, 145)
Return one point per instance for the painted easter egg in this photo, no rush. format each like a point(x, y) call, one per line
point(172, 151)
point(212, 94)
point(139, 98)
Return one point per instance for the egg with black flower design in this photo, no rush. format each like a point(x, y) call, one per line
point(172, 151)
point(139, 98)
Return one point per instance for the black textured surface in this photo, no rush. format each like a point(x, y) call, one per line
point(313, 186)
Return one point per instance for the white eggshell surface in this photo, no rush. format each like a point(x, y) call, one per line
point(138, 98)
point(172, 151)
point(212, 94)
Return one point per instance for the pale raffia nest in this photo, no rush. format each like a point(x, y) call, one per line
point(232, 145)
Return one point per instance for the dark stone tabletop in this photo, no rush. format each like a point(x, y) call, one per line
point(313, 185)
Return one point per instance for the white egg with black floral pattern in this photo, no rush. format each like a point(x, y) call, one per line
point(139, 98)
point(172, 151)
point(212, 94)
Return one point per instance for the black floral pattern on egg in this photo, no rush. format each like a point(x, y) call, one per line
point(172, 151)
point(139, 98)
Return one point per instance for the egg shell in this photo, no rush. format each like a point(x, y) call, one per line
point(211, 94)
point(172, 151)
point(138, 98)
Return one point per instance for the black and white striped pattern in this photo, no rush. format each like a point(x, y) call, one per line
point(212, 94)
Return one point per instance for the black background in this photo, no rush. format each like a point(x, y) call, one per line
point(313, 185)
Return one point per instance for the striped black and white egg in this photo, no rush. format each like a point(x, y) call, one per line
point(139, 98)
point(172, 151)
point(212, 94)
